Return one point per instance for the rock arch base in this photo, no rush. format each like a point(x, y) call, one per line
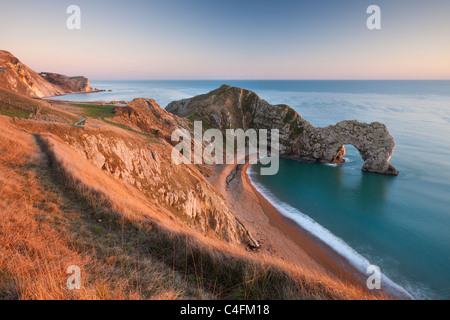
point(326, 144)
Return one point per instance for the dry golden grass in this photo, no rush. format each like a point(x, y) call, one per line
point(39, 109)
point(57, 210)
point(41, 234)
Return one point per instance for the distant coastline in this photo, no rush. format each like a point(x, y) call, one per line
point(68, 93)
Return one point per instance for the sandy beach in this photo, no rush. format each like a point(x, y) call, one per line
point(279, 236)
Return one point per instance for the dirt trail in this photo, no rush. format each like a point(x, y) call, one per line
point(82, 121)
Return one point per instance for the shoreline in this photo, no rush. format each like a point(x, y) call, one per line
point(278, 237)
point(282, 237)
point(318, 250)
point(325, 255)
point(77, 92)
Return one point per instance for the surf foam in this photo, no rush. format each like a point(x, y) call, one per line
point(334, 242)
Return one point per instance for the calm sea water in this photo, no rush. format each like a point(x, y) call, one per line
point(401, 224)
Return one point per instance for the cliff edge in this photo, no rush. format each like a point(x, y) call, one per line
point(17, 77)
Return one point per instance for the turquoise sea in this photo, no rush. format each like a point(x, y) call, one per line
point(401, 224)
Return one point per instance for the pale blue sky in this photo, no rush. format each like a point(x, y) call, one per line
point(246, 39)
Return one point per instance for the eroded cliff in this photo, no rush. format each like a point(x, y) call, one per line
point(140, 156)
point(68, 84)
point(232, 108)
point(17, 77)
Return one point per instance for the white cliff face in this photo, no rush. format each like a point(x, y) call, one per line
point(233, 108)
point(17, 77)
point(182, 189)
point(68, 84)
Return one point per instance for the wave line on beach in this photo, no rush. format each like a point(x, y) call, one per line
point(326, 236)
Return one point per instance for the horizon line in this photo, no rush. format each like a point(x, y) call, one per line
point(231, 79)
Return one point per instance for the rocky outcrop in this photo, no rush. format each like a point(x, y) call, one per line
point(180, 189)
point(232, 108)
point(147, 116)
point(373, 141)
point(68, 84)
point(17, 77)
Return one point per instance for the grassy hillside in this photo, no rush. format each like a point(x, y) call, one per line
point(95, 110)
point(59, 209)
point(16, 105)
point(127, 247)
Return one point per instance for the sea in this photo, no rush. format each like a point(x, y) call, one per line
point(399, 223)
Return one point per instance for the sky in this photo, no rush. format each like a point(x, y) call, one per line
point(228, 39)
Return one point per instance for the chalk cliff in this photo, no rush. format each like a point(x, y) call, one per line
point(232, 108)
point(17, 77)
point(183, 190)
point(68, 84)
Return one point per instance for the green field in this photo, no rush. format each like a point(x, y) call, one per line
point(11, 111)
point(94, 110)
